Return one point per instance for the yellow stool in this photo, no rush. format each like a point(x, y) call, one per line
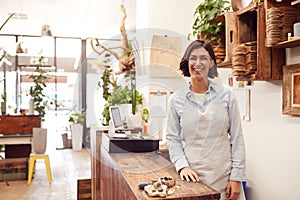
point(32, 160)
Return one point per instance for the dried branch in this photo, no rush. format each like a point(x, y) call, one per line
point(126, 59)
point(123, 29)
point(126, 63)
point(115, 54)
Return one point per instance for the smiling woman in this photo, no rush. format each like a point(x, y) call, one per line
point(207, 153)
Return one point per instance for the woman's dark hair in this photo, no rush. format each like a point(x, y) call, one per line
point(184, 64)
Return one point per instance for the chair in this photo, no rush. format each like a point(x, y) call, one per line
point(39, 143)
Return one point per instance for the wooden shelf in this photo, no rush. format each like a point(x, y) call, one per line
point(251, 77)
point(288, 44)
point(225, 64)
point(252, 7)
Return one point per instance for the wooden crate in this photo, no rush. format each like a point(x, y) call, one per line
point(231, 34)
point(84, 189)
point(18, 124)
point(13, 169)
point(252, 28)
point(288, 28)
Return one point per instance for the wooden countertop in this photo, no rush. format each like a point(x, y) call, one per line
point(136, 167)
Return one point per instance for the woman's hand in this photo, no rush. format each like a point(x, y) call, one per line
point(233, 190)
point(188, 174)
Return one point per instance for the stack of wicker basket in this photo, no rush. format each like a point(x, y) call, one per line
point(244, 59)
point(279, 23)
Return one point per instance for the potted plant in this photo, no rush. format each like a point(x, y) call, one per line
point(118, 95)
point(77, 119)
point(40, 78)
point(205, 26)
point(145, 119)
point(121, 96)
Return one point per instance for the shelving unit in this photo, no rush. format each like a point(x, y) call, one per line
point(248, 25)
point(289, 71)
point(251, 27)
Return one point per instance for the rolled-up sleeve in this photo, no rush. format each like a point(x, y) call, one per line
point(238, 171)
point(173, 134)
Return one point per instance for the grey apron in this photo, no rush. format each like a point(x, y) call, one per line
point(206, 144)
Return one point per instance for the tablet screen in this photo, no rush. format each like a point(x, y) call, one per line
point(116, 116)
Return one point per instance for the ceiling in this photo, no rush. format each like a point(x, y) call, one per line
point(67, 18)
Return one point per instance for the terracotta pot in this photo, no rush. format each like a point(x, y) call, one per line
point(39, 140)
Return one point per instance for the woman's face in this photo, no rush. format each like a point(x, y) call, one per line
point(199, 63)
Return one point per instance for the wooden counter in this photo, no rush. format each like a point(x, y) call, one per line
point(96, 140)
point(121, 172)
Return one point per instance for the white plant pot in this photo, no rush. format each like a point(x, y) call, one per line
point(39, 140)
point(31, 107)
point(77, 134)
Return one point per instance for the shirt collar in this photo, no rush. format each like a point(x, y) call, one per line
point(213, 84)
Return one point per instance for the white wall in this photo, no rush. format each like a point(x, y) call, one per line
point(272, 139)
point(272, 146)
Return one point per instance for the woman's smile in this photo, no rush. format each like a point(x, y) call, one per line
point(198, 69)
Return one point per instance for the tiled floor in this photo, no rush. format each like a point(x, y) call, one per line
point(66, 166)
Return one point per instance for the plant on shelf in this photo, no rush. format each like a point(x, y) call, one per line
point(205, 26)
point(40, 77)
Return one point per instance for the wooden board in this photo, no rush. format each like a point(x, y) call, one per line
point(83, 189)
point(18, 124)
